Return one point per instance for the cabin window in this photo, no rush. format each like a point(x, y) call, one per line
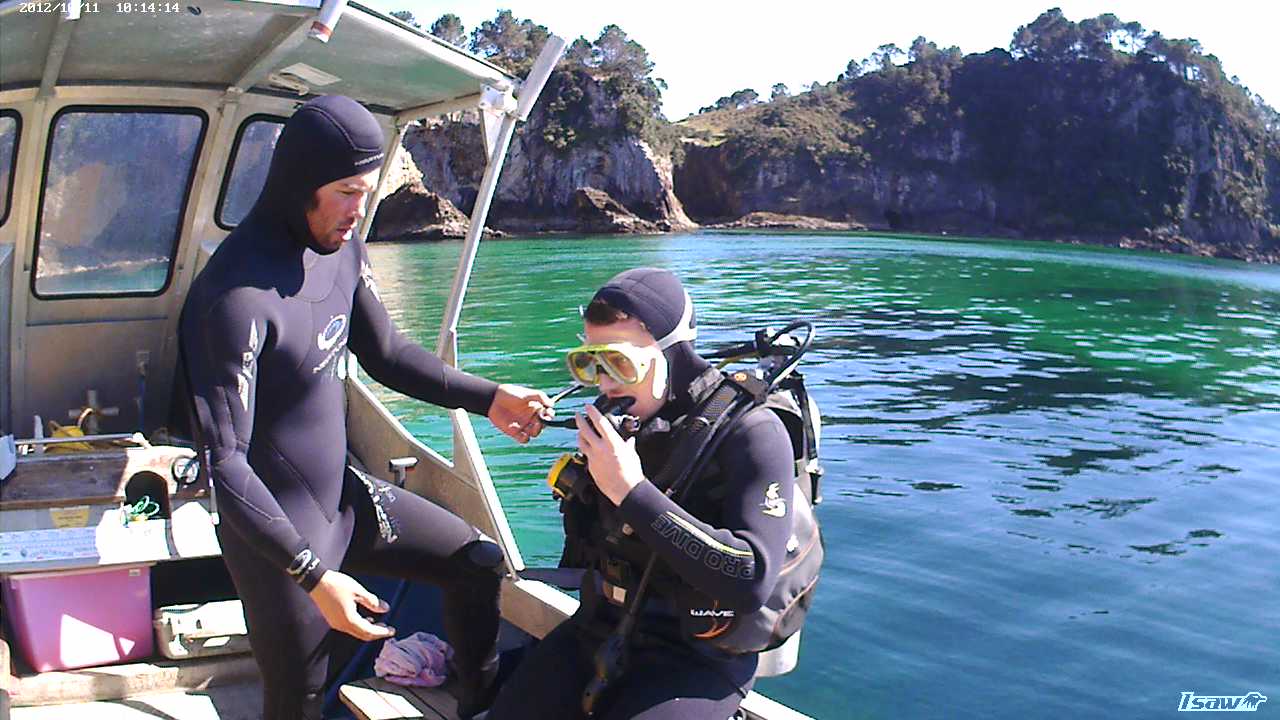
point(247, 171)
point(9, 128)
point(115, 190)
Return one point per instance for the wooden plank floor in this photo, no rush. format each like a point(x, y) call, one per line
point(376, 699)
point(224, 702)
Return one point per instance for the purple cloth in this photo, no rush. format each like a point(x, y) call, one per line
point(420, 660)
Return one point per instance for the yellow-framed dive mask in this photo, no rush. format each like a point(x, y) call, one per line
point(621, 361)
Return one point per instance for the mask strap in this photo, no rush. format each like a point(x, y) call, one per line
point(660, 377)
point(684, 331)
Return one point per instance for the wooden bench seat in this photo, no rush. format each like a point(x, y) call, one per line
point(376, 699)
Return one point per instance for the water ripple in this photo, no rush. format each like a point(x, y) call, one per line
point(1050, 470)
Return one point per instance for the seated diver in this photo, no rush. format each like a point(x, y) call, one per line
point(718, 551)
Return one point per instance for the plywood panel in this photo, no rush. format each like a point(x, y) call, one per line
point(51, 480)
point(63, 362)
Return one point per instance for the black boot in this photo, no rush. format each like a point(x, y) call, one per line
point(313, 706)
point(477, 691)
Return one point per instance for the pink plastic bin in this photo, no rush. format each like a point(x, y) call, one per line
point(79, 618)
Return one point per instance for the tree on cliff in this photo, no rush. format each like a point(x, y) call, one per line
point(616, 54)
point(449, 29)
point(736, 100)
point(1051, 37)
point(884, 60)
point(624, 68)
point(613, 61)
point(1098, 127)
point(509, 42)
point(903, 108)
point(406, 17)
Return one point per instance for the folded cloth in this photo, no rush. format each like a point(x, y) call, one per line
point(418, 660)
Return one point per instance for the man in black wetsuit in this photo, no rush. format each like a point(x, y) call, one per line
point(639, 333)
point(264, 335)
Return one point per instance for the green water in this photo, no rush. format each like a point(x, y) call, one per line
point(1051, 471)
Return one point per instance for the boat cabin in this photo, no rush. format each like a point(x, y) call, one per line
point(133, 138)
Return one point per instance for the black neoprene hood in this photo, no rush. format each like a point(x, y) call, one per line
point(654, 296)
point(658, 299)
point(327, 139)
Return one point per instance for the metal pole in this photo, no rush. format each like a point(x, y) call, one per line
point(389, 156)
point(79, 439)
point(56, 54)
point(447, 344)
point(326, 19)
point(421, 112)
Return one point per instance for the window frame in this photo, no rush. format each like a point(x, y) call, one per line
point(13, 165)
point(230, 169)
point(182, 212)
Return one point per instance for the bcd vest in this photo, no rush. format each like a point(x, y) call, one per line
point(596, 538)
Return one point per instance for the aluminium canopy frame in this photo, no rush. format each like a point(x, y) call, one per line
point(44, 65)
point(230, 52)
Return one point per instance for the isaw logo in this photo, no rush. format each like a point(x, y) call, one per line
point(1190, 702)
point(331, 332)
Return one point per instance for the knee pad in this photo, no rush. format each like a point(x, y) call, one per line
point(484, 555)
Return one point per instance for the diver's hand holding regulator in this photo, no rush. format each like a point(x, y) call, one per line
point(517, 411)
point(613, 462)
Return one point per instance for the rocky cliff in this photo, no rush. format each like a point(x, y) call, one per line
point(557, 186)
point(1136, 150)
point(1098, 131)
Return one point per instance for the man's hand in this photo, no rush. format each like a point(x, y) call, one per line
point(516, 410)
point(337, 595)
point(612, 461)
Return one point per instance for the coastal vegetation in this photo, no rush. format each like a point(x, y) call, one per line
point(1094, 129)
point(613, 62)
point(1098, 130)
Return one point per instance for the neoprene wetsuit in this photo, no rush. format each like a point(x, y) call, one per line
point(720, 552)
point(264, 335)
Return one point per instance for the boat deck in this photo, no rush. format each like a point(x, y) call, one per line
point(226, 702)
point(375, 699)
point(224, 687)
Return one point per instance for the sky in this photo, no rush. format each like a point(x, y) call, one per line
point(706, 49)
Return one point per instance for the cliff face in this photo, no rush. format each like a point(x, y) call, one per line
point(540, 181)
point(1129, 154)
point(719, 185)
point(1065, 138)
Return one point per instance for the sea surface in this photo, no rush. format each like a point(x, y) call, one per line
point(1052, 473)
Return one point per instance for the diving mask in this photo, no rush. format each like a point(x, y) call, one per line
point(624, 362)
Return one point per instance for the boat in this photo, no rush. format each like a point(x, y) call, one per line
point(133, 137)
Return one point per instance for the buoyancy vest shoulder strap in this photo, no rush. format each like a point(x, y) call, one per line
point(693, 445)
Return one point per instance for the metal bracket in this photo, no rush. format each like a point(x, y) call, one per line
point(493, 106)
point(57, 52)
point(90, 411)
point(400, 468)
